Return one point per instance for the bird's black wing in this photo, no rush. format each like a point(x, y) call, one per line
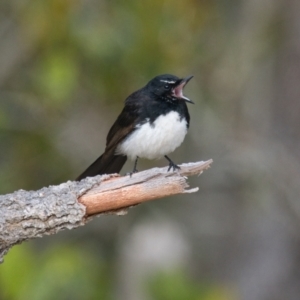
point(124, 124)
point(110, 162)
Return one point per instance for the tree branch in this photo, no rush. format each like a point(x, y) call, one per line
point(29, 214)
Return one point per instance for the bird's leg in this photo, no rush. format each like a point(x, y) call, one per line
point(135, 164)
point(134, 167)
point(171, 164)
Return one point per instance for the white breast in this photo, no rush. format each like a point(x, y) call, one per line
point(155, 140)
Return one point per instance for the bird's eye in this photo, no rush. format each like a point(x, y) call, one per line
point(167, 86)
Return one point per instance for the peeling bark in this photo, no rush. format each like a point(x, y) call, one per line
point(29, 214)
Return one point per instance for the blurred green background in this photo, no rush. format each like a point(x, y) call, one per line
point(66, 68)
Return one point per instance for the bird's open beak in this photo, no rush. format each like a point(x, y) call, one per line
point(178, 89)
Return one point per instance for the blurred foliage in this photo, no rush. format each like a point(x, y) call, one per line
point(65, 69)
point(77, 57)
point(84, 53)
point(61, 272)
point(65, 272)
point(175, 285)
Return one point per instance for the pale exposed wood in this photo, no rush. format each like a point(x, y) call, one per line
point(120, 192)
point(26, 215)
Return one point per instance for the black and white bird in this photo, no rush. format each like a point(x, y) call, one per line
point(152, 124)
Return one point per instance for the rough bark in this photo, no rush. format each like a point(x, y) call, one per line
point(29, 214)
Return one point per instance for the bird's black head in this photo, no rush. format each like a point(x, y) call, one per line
point(169, 87)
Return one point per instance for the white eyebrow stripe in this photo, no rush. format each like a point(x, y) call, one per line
point(167, 81)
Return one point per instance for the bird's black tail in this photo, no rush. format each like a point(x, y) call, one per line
point(107, 163)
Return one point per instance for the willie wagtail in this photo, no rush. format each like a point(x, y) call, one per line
point(153, 123)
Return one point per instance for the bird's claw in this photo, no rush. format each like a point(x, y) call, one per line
point(131, 173)
point(174, 166)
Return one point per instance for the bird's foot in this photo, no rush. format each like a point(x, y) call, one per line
point(135, 170)
point(172, 164)
point(131, 173)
